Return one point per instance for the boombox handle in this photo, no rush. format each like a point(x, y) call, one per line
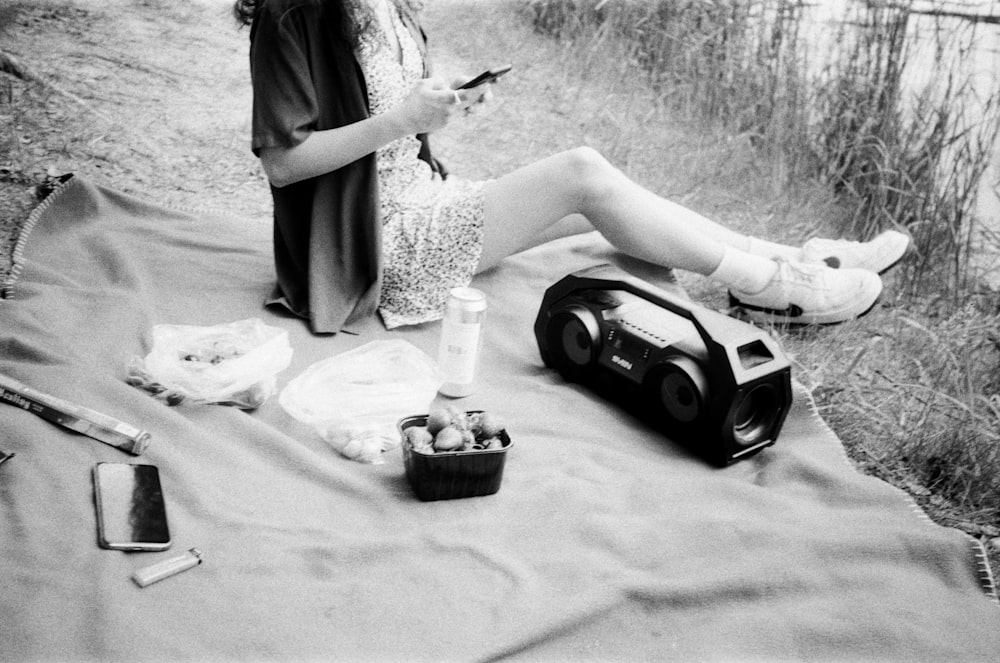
point(721, 334)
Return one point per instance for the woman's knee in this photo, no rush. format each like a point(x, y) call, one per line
point(589, 173)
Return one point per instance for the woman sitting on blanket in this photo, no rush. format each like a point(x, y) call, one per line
point(365, 218)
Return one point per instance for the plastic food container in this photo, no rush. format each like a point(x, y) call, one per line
point(448, 475)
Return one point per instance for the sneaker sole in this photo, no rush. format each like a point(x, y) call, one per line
point(793, 315)
point(902, 254)
point(896, 261)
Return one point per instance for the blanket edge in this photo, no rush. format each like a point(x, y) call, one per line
point(8, 287)
point(986, 580)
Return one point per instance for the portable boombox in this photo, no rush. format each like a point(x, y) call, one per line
point(717, 385)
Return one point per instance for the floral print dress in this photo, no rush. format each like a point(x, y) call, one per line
point(432, 231)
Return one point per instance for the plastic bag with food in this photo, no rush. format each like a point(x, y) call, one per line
point(234, 363)
point(355, 399)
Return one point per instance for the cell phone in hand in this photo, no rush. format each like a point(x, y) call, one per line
point(488, 76)
point(131, 512)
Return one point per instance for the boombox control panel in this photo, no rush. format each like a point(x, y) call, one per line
point(636, 329)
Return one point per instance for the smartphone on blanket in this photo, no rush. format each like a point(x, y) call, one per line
point(131, 511)
point(488, 76)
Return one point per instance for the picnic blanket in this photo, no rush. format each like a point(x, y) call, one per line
point(606, 541)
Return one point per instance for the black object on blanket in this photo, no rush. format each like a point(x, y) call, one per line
point(720, 386)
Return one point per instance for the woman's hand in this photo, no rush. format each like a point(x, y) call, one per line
point(427, 107)
point(473, 96)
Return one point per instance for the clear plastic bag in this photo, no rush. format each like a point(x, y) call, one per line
point(234, 363)
point(355, 399)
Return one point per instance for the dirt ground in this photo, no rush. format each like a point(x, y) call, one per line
point(152, 98)
point(149, 97)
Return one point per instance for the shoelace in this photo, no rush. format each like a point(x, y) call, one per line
point(800, 273)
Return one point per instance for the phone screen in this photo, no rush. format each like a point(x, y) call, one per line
point(131, 512)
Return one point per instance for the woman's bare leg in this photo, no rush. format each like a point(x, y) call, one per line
point(577, 191)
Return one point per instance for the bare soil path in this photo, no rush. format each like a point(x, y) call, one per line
point(165, 99)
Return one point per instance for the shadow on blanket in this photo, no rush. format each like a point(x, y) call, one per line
point(606, 541)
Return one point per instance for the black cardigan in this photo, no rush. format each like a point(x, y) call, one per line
point(327, 229)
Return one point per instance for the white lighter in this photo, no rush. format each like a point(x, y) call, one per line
point(166, 568)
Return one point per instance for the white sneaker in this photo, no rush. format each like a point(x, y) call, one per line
point(876, 255)
point(801, 294)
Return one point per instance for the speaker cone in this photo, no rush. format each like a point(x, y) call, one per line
point(680, 389)
point(754, 415)
point(574, 339)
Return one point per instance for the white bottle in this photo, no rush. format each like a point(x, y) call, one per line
point(461, 336)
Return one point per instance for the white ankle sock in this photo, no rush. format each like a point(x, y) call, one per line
point(744, 271)
point(765, 249)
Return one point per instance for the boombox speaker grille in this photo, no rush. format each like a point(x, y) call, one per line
point(682, 390)
point(575, 338)
point(755, 415)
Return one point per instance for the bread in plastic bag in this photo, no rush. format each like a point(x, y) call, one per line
point(233, 363)
point(354, 399)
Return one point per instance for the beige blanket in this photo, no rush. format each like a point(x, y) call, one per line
point(605, 542)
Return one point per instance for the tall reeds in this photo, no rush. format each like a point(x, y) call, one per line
point(906, 132)
point(900, 132)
